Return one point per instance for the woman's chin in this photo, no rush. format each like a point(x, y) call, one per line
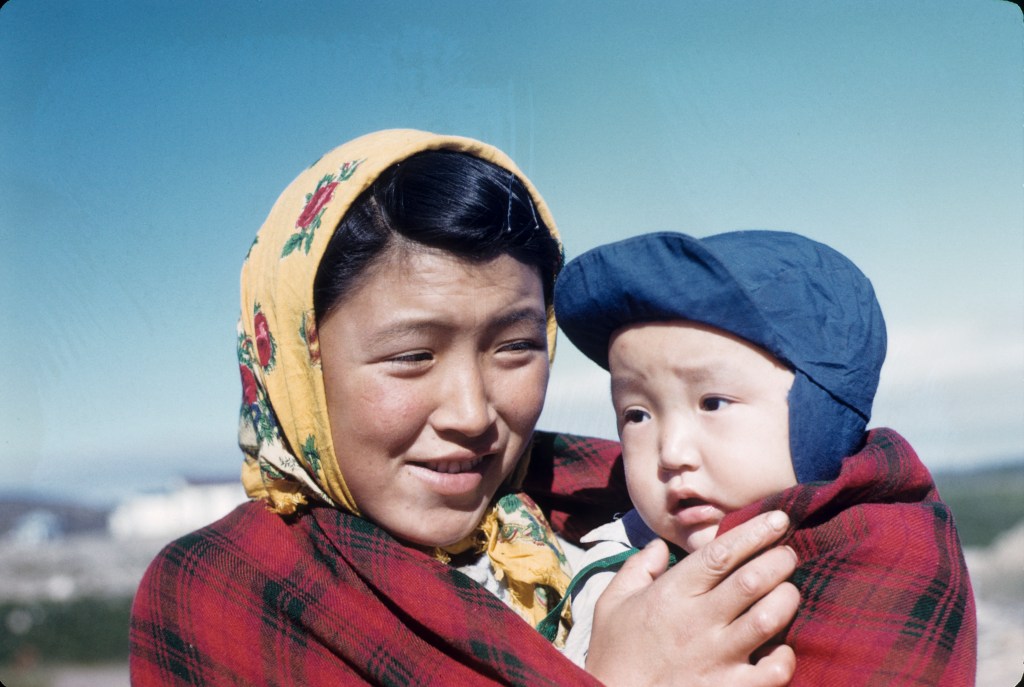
point(433, 531)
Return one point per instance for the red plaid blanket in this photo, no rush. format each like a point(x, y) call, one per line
point(326, 598)
point(885, 597)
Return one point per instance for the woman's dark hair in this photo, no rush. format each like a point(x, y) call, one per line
point(440, 199)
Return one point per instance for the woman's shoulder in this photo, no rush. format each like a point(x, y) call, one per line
point(578, 481)
point(240, 525)
point(248, 537)
point(569, 448)
point(570, 462)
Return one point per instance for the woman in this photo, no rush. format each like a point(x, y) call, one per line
point(394, 346)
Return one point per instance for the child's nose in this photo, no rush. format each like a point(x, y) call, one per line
point(680, 448)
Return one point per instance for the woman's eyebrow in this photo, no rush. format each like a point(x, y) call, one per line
point(415, 325)
point(403, 328)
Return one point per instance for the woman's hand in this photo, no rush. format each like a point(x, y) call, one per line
point(700, 622)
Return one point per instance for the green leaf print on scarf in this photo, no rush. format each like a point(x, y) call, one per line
point(311, 454)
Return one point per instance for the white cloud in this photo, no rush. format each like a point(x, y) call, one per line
point(955, 390)
point(954, 352)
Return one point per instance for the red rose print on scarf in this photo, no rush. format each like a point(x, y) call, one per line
point(263, 347)
point(315, 205)
point(266, 347)
point(251, 352)
point(248, 385)
point(313, 211)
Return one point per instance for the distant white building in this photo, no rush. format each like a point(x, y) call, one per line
point(170, 514)
point(38, 526)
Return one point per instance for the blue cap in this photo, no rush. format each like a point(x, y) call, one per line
point(803, 302)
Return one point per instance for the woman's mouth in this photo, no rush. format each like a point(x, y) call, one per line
point(452, 467)
point(452, 478)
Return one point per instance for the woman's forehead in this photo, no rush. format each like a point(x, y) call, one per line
point(424, 285)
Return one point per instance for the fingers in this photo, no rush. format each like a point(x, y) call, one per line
point(768, 617)
point(774, 669)
point(639, 571)
point(652, 559)
point(756, 577)
point(628, 634)
point(702, 618)
point(713, 562)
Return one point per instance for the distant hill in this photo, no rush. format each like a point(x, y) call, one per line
point(70, 518)
point(985, 501)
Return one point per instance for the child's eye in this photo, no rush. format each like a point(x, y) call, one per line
point(713, 403)
point(523, 345)
point(635, 415)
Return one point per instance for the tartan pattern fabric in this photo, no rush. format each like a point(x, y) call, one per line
point(579, 482)
point(885, 595)
point(324, 597)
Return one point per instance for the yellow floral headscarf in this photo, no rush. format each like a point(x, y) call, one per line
point(284, 430)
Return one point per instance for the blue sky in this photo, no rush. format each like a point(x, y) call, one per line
point(143, 143)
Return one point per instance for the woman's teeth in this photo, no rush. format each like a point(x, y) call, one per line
point(454, 466)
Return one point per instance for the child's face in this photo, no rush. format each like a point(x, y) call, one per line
point(704, 421)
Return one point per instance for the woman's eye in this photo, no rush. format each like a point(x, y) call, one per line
point(412, 358)
point(635, 415)
point(713, 403)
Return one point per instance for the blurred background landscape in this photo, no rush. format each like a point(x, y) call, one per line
point(69, 572)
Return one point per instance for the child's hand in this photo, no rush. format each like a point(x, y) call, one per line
point(700, 622)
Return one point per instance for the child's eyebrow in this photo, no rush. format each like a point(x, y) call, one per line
point(696, 374)
point(625, 383)
point(529, 316)
point(691, 374)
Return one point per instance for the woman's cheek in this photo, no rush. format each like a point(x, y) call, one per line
point(393, 408)
point(523, 395)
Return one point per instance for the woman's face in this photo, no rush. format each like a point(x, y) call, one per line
point(435, 371)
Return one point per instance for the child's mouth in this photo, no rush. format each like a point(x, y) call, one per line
point(683, 504)
point(694, 511)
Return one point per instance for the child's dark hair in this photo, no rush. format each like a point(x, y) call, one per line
point(440, 199)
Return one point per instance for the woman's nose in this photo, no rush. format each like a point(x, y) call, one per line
point(464, 404)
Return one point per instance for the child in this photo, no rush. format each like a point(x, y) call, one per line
point(743, 369)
